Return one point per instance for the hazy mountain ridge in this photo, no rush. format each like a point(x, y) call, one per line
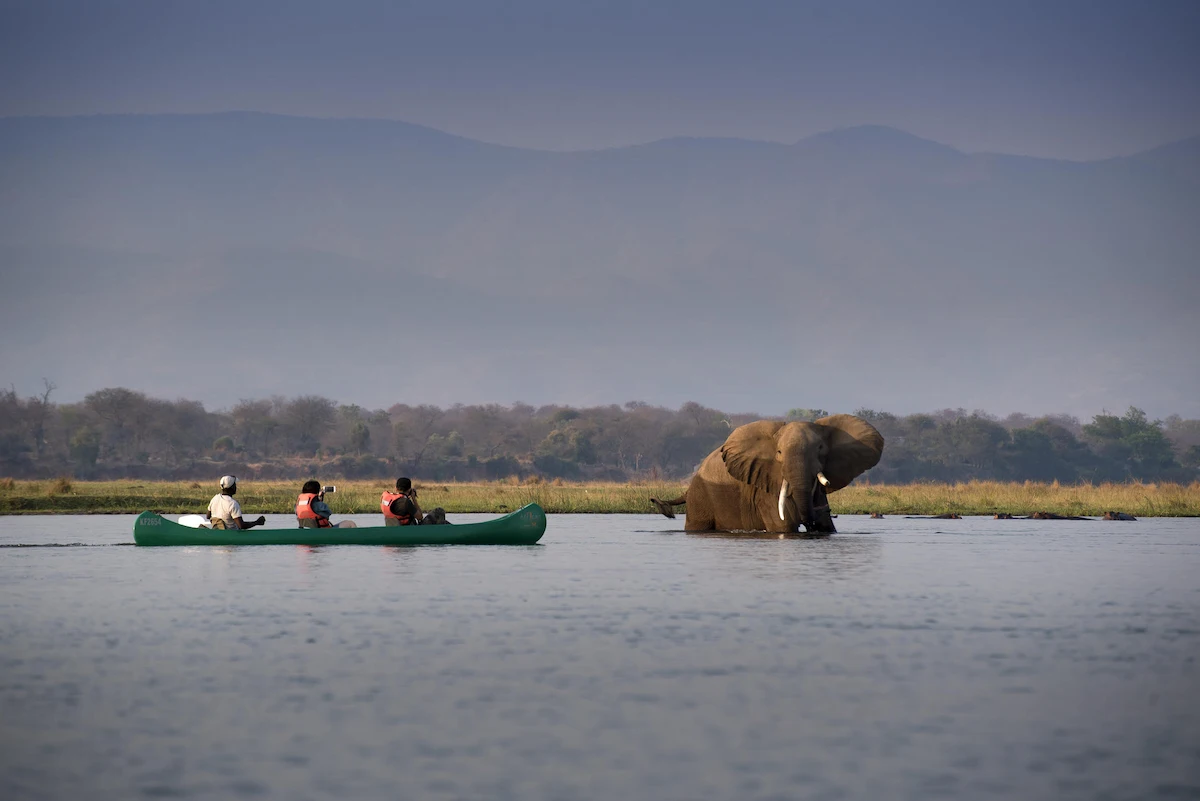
point(883, 247)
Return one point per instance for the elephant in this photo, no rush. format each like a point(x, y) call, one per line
point(775, 476)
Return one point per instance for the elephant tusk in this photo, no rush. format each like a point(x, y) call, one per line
point(782, 495)
point(824, 481)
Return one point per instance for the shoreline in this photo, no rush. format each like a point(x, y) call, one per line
point(975, 498)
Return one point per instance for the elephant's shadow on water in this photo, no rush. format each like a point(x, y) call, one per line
point(741, 534)
point(791, 556)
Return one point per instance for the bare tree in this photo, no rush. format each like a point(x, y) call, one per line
point(39, 412)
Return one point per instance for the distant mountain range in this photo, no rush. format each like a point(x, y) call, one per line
point(222, 256)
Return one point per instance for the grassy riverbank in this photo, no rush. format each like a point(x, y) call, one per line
point(64, 496)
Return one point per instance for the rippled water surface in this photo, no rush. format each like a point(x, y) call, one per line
point(619, 659)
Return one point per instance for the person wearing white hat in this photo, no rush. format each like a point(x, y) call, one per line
point(225, 512)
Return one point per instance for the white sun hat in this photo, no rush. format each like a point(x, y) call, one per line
point(228, 481)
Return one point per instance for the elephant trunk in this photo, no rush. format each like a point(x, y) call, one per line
point(808, 505)
point(807, 513)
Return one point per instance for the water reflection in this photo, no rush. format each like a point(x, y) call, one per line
point(838, 557)
point(756, 535)
point(402, 558)
point(308, 558)
point(64, 544)
point(610, 661)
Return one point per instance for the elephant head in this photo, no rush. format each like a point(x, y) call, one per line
point(799, 463)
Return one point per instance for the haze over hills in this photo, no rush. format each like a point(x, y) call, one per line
point(225, 256)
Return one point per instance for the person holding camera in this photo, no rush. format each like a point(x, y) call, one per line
point(400, 508)
point(311, 509)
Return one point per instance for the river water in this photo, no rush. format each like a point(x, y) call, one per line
point(618, 659)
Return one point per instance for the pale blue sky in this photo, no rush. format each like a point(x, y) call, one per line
point(1102, 320)
point(1069, 79)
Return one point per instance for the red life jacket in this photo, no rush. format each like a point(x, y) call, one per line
point(385, 506)
point(304, 510)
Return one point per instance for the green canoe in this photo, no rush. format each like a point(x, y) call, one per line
point(522, 527)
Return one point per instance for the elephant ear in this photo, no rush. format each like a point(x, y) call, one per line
point(749, 454)
point(854, 447)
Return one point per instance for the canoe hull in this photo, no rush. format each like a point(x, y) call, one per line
point(522, 527)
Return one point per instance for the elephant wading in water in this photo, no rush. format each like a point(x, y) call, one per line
point(774, 476)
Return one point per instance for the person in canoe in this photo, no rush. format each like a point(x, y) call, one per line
point(400, 508)
point(226, 513)
point(311, 509)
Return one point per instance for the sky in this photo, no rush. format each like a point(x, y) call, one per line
point(1073, 79)
point(1061, 79)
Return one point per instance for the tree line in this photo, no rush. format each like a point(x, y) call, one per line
point(122, 433)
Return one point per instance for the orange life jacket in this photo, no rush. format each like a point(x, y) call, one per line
point(304, 510)
point(385, 506)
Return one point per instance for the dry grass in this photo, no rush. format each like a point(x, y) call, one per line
point(59, 486)
point(362, 497)
point(991, 497)
point(354, 497)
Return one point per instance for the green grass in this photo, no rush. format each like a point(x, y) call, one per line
point(60, 496)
